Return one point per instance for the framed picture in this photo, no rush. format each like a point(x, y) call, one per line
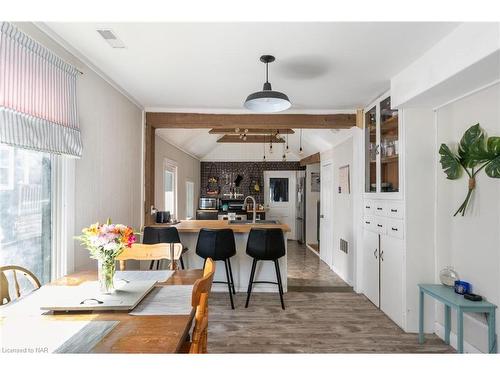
point(315, 182)
point(344, 184)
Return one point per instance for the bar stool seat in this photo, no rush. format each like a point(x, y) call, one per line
point(266, 244)
point(155, 235)
point(219, 245)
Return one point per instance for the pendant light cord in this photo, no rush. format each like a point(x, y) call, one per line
point(267, 73)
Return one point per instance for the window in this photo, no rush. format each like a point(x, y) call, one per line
point(26, 210)
point(170, 188)
point(189, 200)
point(278, 189)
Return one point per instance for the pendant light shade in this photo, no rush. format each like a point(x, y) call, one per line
point(267, 100)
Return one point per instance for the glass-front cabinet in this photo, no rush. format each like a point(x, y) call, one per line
point(382, 148)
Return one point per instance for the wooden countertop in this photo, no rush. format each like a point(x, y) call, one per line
point(194, 226)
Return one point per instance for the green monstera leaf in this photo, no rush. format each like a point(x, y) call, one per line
point(493, 167)
point(472, 149)
point(450, 163)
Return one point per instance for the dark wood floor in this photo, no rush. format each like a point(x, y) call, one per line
point(323, 315)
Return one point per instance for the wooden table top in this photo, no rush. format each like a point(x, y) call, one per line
point(135, 334)
point(194, 226)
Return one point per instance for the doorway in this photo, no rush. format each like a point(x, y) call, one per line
point(326, 214)
point(279, 198)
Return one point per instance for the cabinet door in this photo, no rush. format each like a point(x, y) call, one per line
point(371, 266)
point(371, 150)
point(389, 147)
point(391, 278)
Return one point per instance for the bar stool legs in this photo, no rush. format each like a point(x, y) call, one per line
point(278, 277)
point(229, 278)
point(280, 286)
point(231, 274)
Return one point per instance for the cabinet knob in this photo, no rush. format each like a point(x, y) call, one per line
point(382, 255)
point(396, 229)
point(379, 225)
point(375, 254)
point(367, 222)
point(394, 210)
point(379, 208)
point(321, 216)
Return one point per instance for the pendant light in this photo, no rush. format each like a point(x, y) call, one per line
point(267, 100)
point(300, 149)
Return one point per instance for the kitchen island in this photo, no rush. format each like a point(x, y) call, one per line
point(241, 263)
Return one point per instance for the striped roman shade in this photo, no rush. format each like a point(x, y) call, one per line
point(37, 96)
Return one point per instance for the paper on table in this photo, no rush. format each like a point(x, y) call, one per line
point(167, 300)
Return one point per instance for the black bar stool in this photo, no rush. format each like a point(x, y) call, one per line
point(218, 244)
point(154, 235)
point(266, 244)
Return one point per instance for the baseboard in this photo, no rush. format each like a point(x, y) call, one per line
point(468, 348)
point(312, 250)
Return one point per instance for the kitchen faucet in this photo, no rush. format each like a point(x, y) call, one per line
point(254, 207)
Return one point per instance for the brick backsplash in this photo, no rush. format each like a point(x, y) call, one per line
point(248, 170)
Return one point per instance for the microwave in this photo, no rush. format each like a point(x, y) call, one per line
point(208, 204)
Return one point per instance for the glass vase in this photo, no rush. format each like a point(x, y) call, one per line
point(106, 272)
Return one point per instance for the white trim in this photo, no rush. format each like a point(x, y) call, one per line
point(171, 166)
point(468, 348)
point(143, 159)
point(312, 250)
point(238, 111)
point(472, 92)
point(175, 146)
point(86, 61)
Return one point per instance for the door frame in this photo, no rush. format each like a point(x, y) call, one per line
point(326, 255)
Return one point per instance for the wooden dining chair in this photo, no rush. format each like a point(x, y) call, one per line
point(4, 282)
point(151, 252)
point(199, 301)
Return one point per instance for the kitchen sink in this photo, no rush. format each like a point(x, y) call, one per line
point(256, 223)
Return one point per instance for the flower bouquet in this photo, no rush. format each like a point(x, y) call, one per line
point(105, 242)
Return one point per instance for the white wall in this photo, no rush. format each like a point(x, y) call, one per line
point(107, 179)
point(311, 206)
point(471, 244)
point(188, 169)
point(343, 263)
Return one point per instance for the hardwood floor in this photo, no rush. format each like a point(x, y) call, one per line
point(323, 315)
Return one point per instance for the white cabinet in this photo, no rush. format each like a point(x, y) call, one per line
point(383, 257)
point(371, 266)
point(391, 277)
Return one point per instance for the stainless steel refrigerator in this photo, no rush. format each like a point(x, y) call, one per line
point(300, 207)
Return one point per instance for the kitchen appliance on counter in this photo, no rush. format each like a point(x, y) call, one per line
point(232, 205)
point(207, 214)
point(162, 217)
point(209, 203)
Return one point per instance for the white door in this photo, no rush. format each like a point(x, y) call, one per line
point(326, 213)
point(279, 198)
point(371, 266)
point(391, 278)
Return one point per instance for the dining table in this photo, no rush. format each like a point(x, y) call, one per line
point(131, 333)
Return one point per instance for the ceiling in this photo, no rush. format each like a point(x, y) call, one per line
point(214, 66)
point(204, 146)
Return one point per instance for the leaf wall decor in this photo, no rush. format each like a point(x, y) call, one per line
point(475, 152)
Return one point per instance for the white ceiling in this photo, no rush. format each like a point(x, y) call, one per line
point(204, 146)
point(214, 66)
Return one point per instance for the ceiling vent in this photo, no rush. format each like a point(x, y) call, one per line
point(110, 37)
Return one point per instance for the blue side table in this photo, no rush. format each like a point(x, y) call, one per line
point(449, 298)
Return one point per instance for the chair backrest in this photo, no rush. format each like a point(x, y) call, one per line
point(217, 244)
point(153, 235)
point(150, 252)
point(199, 300)
point(266, 243)
point(4, 282)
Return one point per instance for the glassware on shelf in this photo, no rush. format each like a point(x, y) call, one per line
point(448, 276)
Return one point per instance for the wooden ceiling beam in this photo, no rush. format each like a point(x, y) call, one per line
point(250, 131)
point(244, 121)
point(250, 139)
point(311, 159)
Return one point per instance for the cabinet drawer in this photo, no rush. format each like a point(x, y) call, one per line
point(395, 210)
point(379, 208)
point(368, 207)
point(395, 228)
point(380, 225)
point(369, 223)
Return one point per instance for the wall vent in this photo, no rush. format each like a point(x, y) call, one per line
point(110, 37)
point(344, 245)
